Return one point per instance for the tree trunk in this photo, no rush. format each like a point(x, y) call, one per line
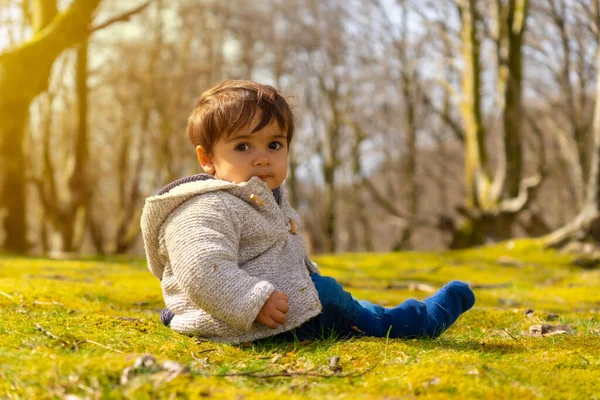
point(18, 89)
point(476, 177)
point(511, 28)
point(582, 225)
point(331, 143)
point(79, 181)
point(13, 195)
point(359, 206)
point(409, 158)
point(491, 207)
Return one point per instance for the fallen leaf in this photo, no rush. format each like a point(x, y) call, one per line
point(421, 287)
point(355, 329)
point(550, 330)
point(334, 364)
point(126, 375)
point(433, 381)
point(275, 358)
point(174, 366)
point(147, 365)
point(507, 261)
point(302, 343)
point(145, 361)
point(508, 302)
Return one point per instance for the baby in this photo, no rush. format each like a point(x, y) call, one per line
point(227, 247)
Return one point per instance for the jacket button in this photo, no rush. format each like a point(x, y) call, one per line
point(292, 227)
point(257, 200)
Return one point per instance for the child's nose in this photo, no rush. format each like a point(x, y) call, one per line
point(262, 160)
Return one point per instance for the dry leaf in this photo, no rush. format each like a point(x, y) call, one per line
point(550, 330)
point(433, 381)
point(334, 364)
point(275, 358)
point(421, 287)
point(355, 329)
point(508, 302)
point(146, 365)
point(145, 361)
point(126, 375)
point(507, 261)
point(174, 366)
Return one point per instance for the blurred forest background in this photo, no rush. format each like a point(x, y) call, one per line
point(421, 124)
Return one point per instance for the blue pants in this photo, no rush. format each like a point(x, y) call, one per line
point(344, 316)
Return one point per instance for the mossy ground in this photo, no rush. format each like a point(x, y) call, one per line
point(71, 327)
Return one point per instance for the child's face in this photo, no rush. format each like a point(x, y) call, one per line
point(243, 155)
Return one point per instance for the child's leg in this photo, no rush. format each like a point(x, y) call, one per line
point(344, 315)
point(374, 308)
point(432, 317)
point(445, 306)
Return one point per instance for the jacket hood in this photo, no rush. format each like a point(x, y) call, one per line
point(157, 208)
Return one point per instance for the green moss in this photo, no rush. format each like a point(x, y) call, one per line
point(71, 327)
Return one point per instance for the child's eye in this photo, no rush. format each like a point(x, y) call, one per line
point(242, 147)
point(275, 146)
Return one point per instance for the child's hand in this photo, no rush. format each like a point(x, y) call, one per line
point(274, 310)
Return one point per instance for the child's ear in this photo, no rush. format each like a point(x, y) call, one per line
point(205, 160)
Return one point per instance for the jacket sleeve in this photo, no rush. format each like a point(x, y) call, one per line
point(202, 241)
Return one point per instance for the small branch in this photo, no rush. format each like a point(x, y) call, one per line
point(203, 351)
point(47, 303)
point(490, 286)
point(47, 332)
point(452, 124)
point(412, 286)
point(6, 295)
point(253, 374)
point(122, 17)
point(509, 334)
point(382, 201)
point(101, 345)
point(516, 204)
point(53, 336)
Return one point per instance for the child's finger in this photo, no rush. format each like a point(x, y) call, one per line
point(278, 316)
point(267, 321)
point(282, 296)
point(282, 306)
point(271, 323)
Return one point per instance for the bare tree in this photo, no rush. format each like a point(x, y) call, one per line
point(53, 32)
point(586, 223)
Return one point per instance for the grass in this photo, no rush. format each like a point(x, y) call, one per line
point(72, 327)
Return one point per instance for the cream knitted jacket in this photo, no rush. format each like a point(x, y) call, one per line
point(220, 249)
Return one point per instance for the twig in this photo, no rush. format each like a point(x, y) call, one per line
point(490, 286)
point(413, 286)
point(200, 352)
point(7, 295)
point(101, 345)
point(86, 388)
point(509, 334)
point(122, 17)
point(47, 303)
point(52, 335)
point(253, 374)
point(47, 332)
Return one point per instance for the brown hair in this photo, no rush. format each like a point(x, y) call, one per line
point(231, 105)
